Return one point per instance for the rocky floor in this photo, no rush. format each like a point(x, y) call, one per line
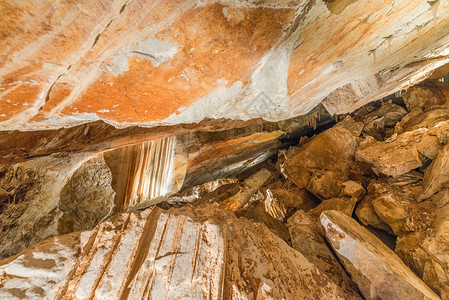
point(358, 211)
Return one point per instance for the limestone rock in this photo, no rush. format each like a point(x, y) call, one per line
point(180, 253)
point(401, 153)
point(426, 251)
point(307, 238)
point(378, 272)
point(323, 163)
point(380, 122)
point(394, 204)
point(248, 189)
point(436, 176)
point(343, 205)
point(426, 95)
point(353, 189)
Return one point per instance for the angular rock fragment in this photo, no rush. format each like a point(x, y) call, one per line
point(353, 189)
point(323, 164)
point(427, 251)
point(189, 252)
point(249, 187)
point(426, 95)
point(393, 204)
point(307, 238)
point(436, 176)
point(343, 205)
point(378, 272)
point(400, 154)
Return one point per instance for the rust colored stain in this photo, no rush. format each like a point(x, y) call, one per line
point(212, 49)
point(234, 146)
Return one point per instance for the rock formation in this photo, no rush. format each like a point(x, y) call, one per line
point(224, 149)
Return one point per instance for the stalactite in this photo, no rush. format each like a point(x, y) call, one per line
point(150, 171)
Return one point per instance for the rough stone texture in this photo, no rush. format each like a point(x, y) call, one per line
point(343, 205)
point(87, 197)
point(180, 253)
point(426, 95)
point(158, 63)
point(307, 238)
point(323, 163)
point(436, 176)
point(379, 122)
point(353, 189)
point(377, 271)
point(247, 190)
point(401, 153)
point(393, 204)
point(426, 251)
point(29, 200)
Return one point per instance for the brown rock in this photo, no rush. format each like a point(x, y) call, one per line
point(180, 253)
point(323, 164)
point(436, 176)
point(378, 272)
point(248, 189)
point(343, 205)
point(426, 95)
point(400, 153)
point(353, 189)
point(307, 238)
point(426, 251)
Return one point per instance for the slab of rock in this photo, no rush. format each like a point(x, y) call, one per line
point(248, 189)
point(378, 272)
point(307, 238)
point(344, 205)
point(393, 204)
point(188, 252)
point(400, 153)
point(353, 189)
point(436, 176)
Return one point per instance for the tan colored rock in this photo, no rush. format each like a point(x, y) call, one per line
point(307, 238)
point(426, 95)
point(401, 153)
point(343, 205)
point(248, 189)
point(323, 163)
point(378, 272)
point(180, 253)
point(51, 195)
point(436, 176)
point(353, 189)
point(426, 251)
point(394, 205)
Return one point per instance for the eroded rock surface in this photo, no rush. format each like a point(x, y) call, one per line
point(378, 272)
point(180, 253)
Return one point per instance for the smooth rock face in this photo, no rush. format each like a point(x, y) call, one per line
point(437, 175)
point(157, 63)
point(378, 272)
point(180, 253)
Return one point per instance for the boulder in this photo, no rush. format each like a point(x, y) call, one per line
point(426, 95)
point(400, 153)
point(188, 252)
point(343, 205)
point(378, 272)
point(307, 238)
point(323, 164)
point(353, 189)
point(436, 176)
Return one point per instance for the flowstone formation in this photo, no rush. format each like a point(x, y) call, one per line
point(339, 215)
